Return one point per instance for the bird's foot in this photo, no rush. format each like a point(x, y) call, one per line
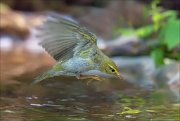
point(91, 78)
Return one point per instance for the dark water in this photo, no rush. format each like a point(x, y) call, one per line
point(61, 100)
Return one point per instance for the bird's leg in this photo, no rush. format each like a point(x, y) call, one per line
point(91, 77)
point(78, 76)
point(95, 77)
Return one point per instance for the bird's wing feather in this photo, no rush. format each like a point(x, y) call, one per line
point(61, 37)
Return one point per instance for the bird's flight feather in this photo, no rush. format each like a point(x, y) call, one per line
point(61, 37)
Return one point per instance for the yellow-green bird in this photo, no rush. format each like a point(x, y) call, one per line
point(75, 49)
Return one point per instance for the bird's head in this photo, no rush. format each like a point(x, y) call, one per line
point(109, 67)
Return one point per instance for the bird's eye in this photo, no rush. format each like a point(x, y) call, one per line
point(112, 70)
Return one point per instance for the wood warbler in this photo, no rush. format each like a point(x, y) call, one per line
point(75, 49)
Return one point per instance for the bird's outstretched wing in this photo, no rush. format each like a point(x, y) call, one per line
point(61, 38)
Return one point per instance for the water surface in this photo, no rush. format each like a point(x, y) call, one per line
point(67, 99)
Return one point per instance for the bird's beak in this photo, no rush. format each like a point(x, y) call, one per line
point(118, 75)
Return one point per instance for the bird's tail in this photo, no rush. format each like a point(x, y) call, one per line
point(45, 75)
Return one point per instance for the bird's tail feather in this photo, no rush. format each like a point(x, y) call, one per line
point(45, 75)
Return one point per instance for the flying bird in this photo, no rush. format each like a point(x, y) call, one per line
point(74, 48)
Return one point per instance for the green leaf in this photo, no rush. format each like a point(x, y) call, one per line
point(126, 31)
point(145, 31)
point(170, 33)
point(128, 110)
point(158, 56)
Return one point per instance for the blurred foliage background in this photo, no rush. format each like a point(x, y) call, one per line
point(165, 28)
